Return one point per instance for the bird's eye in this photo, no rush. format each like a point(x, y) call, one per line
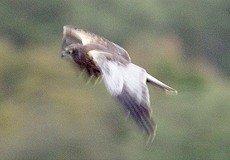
point(70, 51)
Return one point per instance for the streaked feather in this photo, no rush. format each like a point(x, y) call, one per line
point(90, 38)
point(123, 79)
point(127, 82)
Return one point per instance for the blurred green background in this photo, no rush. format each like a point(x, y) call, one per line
point(48, 113)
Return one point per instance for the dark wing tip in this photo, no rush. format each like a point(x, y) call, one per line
point(140, 114)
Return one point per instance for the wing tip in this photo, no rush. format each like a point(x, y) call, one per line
point(170, 91)
point(65, 29)
point(151, 136)
point(69, 26)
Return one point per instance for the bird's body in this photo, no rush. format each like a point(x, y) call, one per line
point(123, 79)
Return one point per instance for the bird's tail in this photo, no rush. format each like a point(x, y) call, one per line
point(161, 85)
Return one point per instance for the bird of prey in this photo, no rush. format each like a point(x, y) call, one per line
point(124, 80)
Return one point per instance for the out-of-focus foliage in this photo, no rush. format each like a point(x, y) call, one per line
point(204, 26)
point(25, 21)
point(47, 112)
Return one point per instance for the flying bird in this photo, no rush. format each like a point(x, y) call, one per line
point(124, 80)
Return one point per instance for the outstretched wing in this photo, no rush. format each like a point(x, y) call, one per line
point(127, 82)
point(72, 34)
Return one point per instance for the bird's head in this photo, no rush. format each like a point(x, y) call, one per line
point(72, 51)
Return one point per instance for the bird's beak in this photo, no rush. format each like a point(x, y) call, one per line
point(63, 54)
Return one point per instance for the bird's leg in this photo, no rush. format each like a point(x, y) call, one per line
point(100, 80)
point(97, 81)
point(90, 78)
point(81, 73)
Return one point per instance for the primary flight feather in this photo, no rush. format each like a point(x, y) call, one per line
point(123, 79)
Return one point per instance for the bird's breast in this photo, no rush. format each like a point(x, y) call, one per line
point(86, 63)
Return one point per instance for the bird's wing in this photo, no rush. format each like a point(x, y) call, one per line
point(127, 82)
point(164, 87)
point(81, 36)
point(69, 38)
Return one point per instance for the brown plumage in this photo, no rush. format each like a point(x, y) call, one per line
point(123, 79)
